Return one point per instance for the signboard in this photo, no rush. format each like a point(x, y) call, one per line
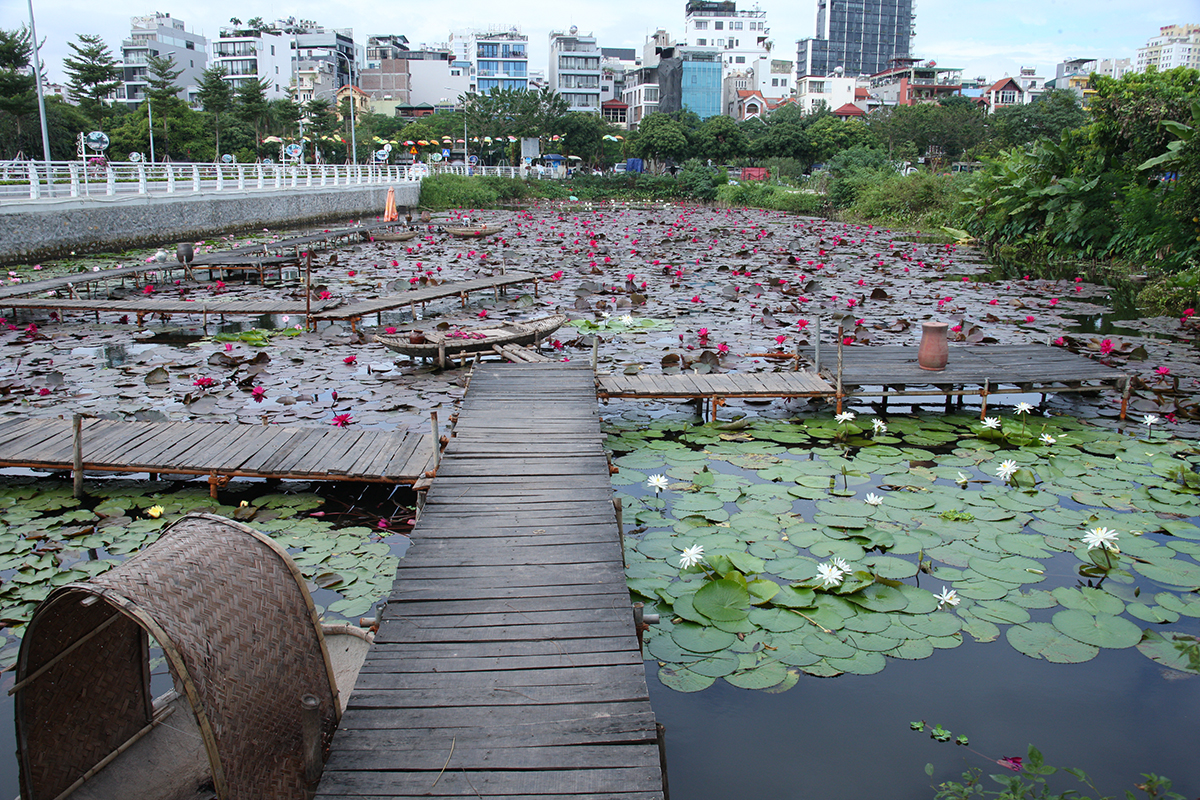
point(135, 157)
point(96, 140)
point(473, 160)
point(445, 152)
point(435, 156)
point(293, 150)
point(227, 158)
point(531, 147)
point(381, 155)
point(268, 161)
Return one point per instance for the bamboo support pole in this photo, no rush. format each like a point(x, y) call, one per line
point(77, 455)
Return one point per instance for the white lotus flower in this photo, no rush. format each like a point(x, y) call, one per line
point(1151, 419)
point(845, 416)
point(841, 564)
point(947, 597)
point(691, 556)
point(991, 422)
point(657, 483)
point(830, 575)
point(879, 425)
point(627, 319)
point(873, 499)
point(1101, 537)
point(1006, 470)
point(962, 479)
point(1024, 408)
point(1046, 438)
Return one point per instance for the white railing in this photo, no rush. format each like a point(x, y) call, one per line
point(459, 169)
point(38, 180)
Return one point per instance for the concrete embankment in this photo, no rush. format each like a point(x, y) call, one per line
point(55, 228)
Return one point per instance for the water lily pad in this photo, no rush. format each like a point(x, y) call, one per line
point(764, 675)
point(717, 665)
point(863, 662)
point(1188, 605)
point(1043, 640)
point(1102, 630)
point(700, 638)
point(1089, 599)
point(722, 600)
point(1170, 648)
point(682, 679)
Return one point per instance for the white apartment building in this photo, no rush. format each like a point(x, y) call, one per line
point(1175, 46)
point(499, 57)
point(166, 37)
point(834, 91)
point(743, 37)
point(250, 55)
point(575, 69)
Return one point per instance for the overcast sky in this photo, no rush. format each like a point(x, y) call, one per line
point(985, 37)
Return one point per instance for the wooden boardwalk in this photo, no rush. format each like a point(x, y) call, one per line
point(143, 306)
point(507, 662)
point(497, 283)
point(220, 451)
point(987, 369)
point(714, 387)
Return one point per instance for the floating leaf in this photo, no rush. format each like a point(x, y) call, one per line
point(1043, 640)
point(722, 600)
point(1102, 630)
point(701, 639)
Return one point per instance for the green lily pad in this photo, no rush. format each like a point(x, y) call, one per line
point(863, 662)
point(701, 639)
point(682, 679)
point(1089, 599)
point(722, 600)
point(1043, 640)
point(1170, 648)
point(764, 675)
point(717, 665)
point(1102, 630)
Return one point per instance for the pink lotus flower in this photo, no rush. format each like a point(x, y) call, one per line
point(993, 302)
point(1029, 318)
point(1053, 301)
point(848, 340)
point(258, 393)
point(557, 276)
point(340, 420)
point(204, 383)
point(349, 359)
point(802, 324)
point(482, 313)
point(781, 339)
point(351, 273)
point(702, 333)
point(326, 295)
point(390, 329)
point(957, 329)
point(1163, 370)
point(696, 299)
point(42, 392)
point(1060, 341)
point(148, 289)
point(722, 348)
point(1106, 347)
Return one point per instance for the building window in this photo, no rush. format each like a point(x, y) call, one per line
point(272, 49)
point(740, 59)
point(701, 25)
point(720, 42)
point(737, 26)
point(719, 25)
point(702, 42)
point(774, 81)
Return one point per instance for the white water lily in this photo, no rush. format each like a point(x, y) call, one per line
point(1024, 408)
point(962, 479)
point(1046, 438)
point(845, 416)
point(657, 483)
point(691, 556)
point(1006, 470)
point(947, 597)
point(841, 564)
point(1101, 537)
point(991, 422)
point(873, 499)
point(627, 319)
point(879, 425)
point(1151, 419)
point(829, 574)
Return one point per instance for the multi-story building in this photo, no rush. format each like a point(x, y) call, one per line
point(312, 42)
point(249, 54)
point(831, 91)
point(1175, 46)
point(397, 75)
point(499, 58)
point(315, 79)
point(615, 63)
point(689, 78)
point(743, 37)
point(911, 81)
point(575, 69)
point(862, 37)
point(166, 37)
point(641, 92)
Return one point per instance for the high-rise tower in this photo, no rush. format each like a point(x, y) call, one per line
point(860, 36)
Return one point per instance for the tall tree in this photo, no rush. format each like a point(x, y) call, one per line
point(92, 75)
point(216, 97)
point(18, 91)
point(720, 139)
point(253, 108)
point(661, 138)
point(163, 95)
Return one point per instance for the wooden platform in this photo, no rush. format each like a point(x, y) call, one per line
point(462, 289)
point(714, 388)
point(507, 662)
point(143, 306)
point(981, 370)
point(220, 451)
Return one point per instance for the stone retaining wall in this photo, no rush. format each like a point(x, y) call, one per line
point(55, 228)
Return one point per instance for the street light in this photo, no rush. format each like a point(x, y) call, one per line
point(37, 70)
point(353, 138)
point(464, 107)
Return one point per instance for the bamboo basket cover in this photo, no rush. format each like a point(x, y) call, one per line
point(241, 637)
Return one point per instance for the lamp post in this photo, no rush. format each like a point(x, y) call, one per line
point(464, 110)
point(353, 137)
point(37, 70)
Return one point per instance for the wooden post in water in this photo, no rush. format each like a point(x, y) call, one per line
point(77, 463)
point(310, 733)
point(437, 443)
point(308, 289)
point(817, 346)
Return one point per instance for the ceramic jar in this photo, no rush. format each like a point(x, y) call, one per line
point(934, 351)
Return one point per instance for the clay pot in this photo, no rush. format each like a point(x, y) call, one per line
point(934, 350)
point(416, 337)
point(185, 252)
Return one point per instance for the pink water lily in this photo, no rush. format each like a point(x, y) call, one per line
point(340, 420)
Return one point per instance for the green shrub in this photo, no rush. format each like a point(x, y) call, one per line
point(923, 199)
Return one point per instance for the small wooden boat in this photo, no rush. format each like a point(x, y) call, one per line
point(474, 231)
point(438, 343)
point(395, 236)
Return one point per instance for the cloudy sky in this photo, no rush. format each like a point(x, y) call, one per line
point(985, 37)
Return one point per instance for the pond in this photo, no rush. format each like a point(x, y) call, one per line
point(667, 288)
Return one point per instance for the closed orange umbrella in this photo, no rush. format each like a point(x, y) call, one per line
point(390, 214)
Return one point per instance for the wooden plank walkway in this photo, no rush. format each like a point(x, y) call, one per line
point(507, 662)
point(989, 369)
point(220, 451)
point(144, 306)
point(714, 387)
point(356, 311)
